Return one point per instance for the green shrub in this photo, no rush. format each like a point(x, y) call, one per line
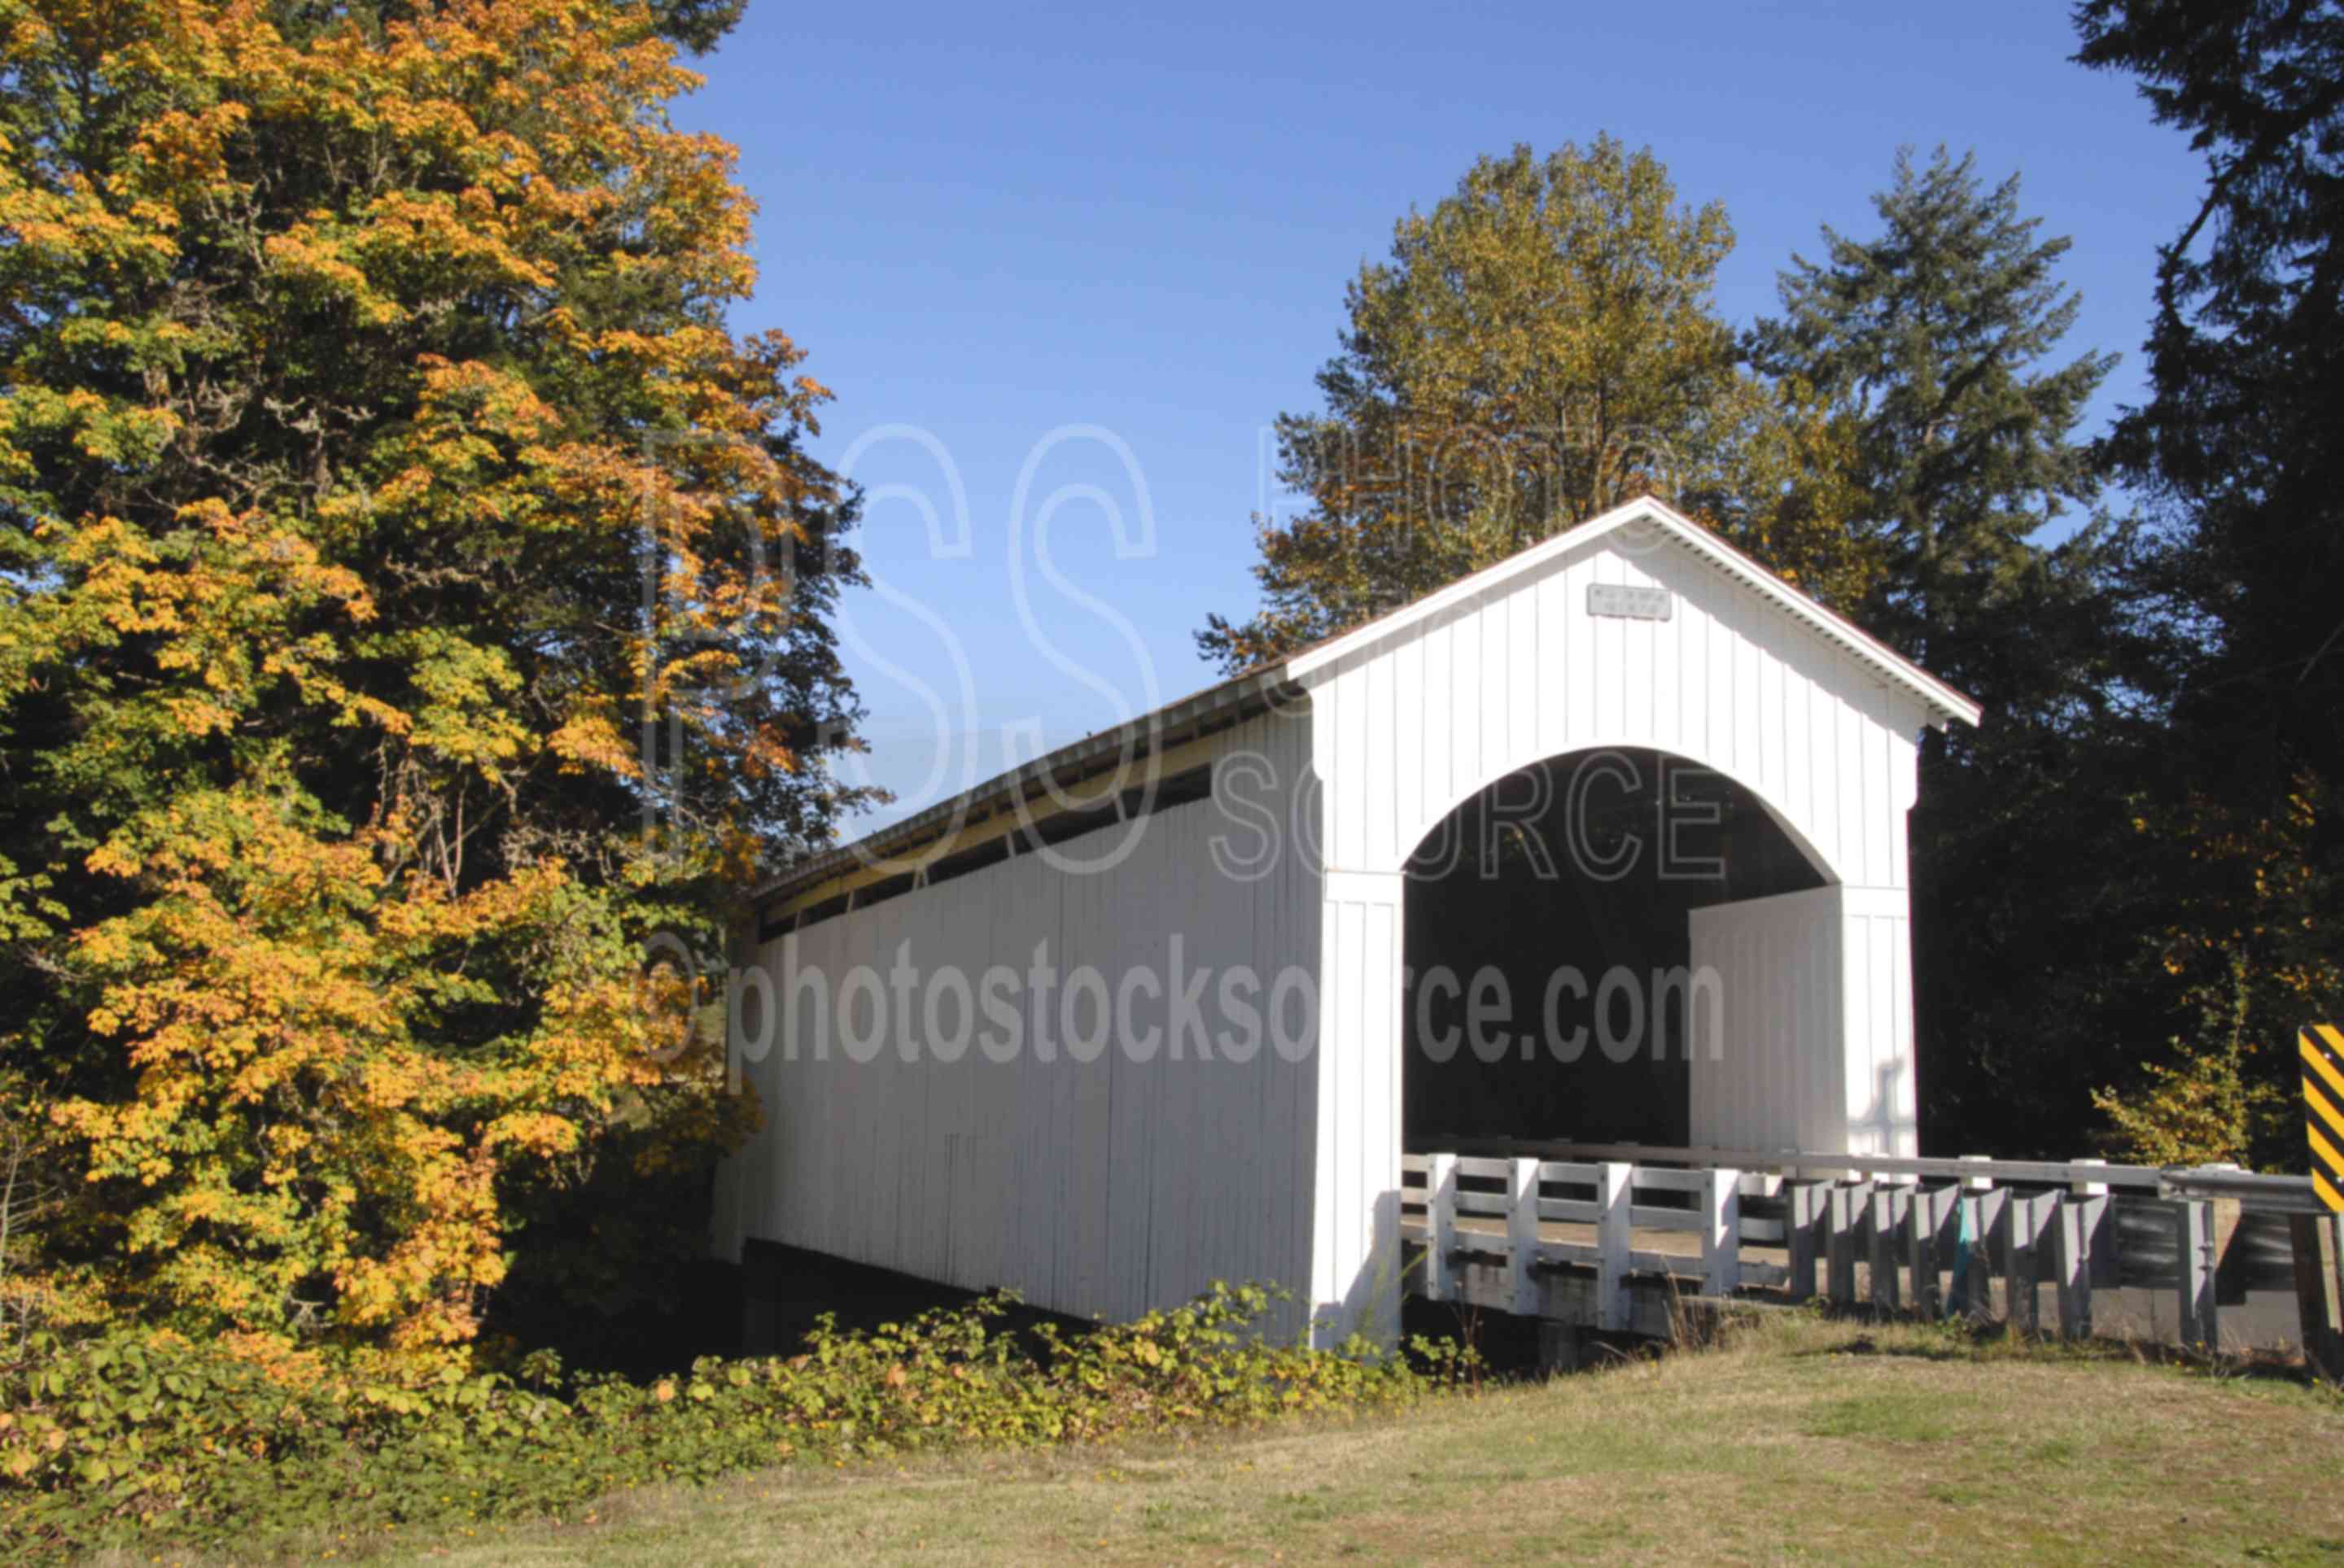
point(135, 1437)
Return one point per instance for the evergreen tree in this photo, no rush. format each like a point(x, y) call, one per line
point(2239, 450)
point(1936, 330)
point(1939, 333)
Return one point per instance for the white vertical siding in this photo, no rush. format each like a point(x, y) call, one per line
point(1779, 1024)
point(1819, 995)
point(1729, 681)
point(1815, 1033)
point(1355, 1283)
point(1123, 1184)
point(1883, 1117)
point(1101, 1188)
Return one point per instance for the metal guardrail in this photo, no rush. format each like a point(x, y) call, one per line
point(2046, 1172)
point(2249, 1189)
point(2254, 1189)
point(2013, 1228)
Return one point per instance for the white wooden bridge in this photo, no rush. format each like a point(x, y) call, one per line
point(1615, 1238)
point(1417, 784)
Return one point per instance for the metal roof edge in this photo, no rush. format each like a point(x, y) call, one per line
point(1299, 669)
point(946, 814)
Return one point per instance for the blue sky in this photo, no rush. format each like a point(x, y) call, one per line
point(991, 224)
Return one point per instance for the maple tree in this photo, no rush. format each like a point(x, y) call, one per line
point(1539, 347)
point(373, 455)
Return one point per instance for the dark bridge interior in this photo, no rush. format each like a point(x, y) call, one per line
point(1587, 865)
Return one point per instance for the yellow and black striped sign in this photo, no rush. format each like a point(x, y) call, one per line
point(2322, 1050)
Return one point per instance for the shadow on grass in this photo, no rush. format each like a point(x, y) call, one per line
point(1973, 1339)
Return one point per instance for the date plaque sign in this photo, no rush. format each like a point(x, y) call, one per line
point(1631, 603)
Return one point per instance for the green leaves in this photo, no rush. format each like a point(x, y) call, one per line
point(1541, 346)
point(2239, 456)
point(139, 1439)
point(1934, 333)
point(361, 367)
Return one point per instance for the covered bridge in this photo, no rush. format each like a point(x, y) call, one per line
point(1605, 843)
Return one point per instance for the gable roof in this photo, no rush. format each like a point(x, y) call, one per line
point(1242, 696)
point(1941, 701)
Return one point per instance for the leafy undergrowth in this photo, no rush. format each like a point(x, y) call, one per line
point(145, 1441)
point(1802, 1440)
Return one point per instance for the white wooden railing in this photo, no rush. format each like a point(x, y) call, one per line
point(1907, 1222)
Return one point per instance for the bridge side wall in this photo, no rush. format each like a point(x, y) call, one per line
point(1810, 1043)
point(1090, 1181)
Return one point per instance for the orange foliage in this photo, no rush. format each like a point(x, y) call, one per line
point(398, 350)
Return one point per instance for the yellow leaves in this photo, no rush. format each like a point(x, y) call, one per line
point(77, 223)
point(590, 739)
point(309, 254)
point(249, 1009)
point(185, 149)
point(540, 1133)
point(402, 231)
point(1538, 348)
point(1776, 477)
point(198, 717)
point(105, 429)
point(321, 943)
point(474, 456)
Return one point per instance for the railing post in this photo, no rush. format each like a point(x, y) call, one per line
point(1806, 1204)
point(2085, 1187)
point(2080, 1218)
point(1851, 1213)
point(1975, 1220)
point(1440, 1215)
point(2030, 1226)
point(1931, 1208)
point(1892, 1211)
point(1983, 1205)
point(2314, 1240)
point(2194, 1221)
point(1921, 1251)
point(1721, 1234)
point(1522, 1233)
point(1614, 1186)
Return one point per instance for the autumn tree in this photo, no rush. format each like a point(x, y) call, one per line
point(1538, 348)
point(412, 599)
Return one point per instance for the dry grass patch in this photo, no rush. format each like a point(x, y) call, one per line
point(1808, 1441)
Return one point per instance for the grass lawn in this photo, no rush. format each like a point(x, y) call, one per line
point(1808, 1441)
